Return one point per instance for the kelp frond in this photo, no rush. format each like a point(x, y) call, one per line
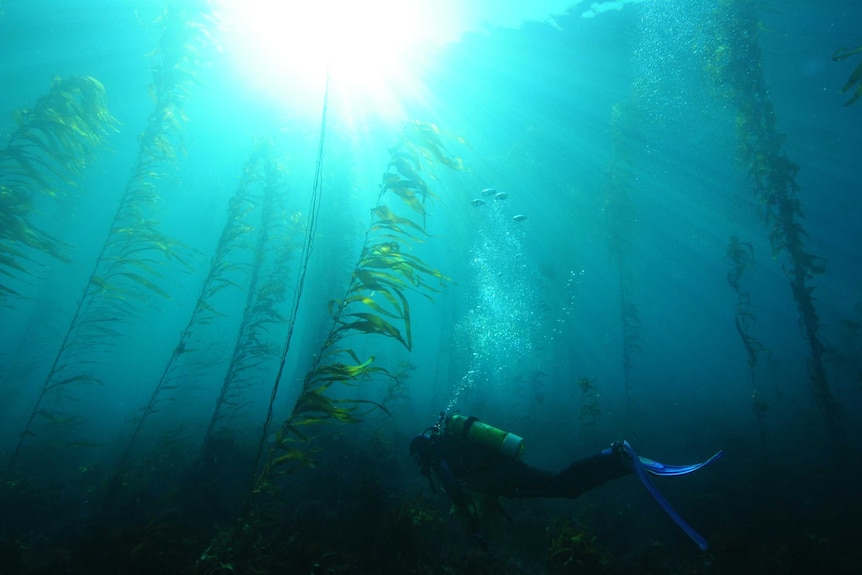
point(227, 270)
point(272, 263)
point(130, 264)
point(55, 141)
point(377, 298)
point(855, 78)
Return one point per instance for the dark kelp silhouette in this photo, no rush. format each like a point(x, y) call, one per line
point(55, 141)
point(131, 261)
point(741, 254)
point(620, 220)
point(236, 266)
point(855, 78)
point(262, 319)
point(736, 65)
point(376, 302)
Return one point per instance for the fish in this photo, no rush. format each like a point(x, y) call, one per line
point(501, 196)
point(489, 192)
point(519, 218)
point(478, 202)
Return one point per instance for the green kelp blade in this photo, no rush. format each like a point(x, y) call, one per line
point(293, 455)
point(370, 323)
point(857, 94)
point(218, 284)
point(82, 378)
point(426, 137)
point(25, 167)
point(375, 405)
point(313, 401)
point(411, 199)
point(60, 418)
point(377, 281)
point(284, 442)
point(367, 301)
point(388, 255)
point(144, 282)
point(398, 301)
point(387, 218)
point(342, 372)
point(7, 291)
point(10, 262)
point(348, 351)
point(406, 166)
point(421, 266)
point(839, 55)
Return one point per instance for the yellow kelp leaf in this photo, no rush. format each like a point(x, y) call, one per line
point(293, 455)
point(144, 282)
point(839, 55)
point(370, 323)
point(410, 199)
point(405, 166)
point(389, 286)
point(367, 301)
point(60, 418)
point(419, 265)
point(283, 442)
point(426, 136)
point(855, 78)
point(351, 371)
point(82, 378)
point(409, 267)
point(388, 217)
point(314, 401)
point(374, 280)
point(373, 403)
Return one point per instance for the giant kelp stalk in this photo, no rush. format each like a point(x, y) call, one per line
point(375, 302)
point(229, 270)
point(620, 219)
point(54, 142)
point(590, 411)
point(741, 254)
point(851, 357)
point(855, 78)
point(127, 270)
point(736, 64)
point(270, 269)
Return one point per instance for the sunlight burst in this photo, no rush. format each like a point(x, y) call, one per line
point(286, 47)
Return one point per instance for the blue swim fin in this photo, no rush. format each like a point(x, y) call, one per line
point(665, 470)
point(643, 466)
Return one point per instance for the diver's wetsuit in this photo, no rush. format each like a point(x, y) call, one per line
point(464, 466)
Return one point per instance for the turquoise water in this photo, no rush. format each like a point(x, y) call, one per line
point(157, 283)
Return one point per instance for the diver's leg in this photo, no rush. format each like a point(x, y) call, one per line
point(589, 473)
point(520, 480)
point(514, 479)
point(517, 479)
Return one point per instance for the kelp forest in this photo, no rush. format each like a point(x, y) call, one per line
point(233, 298)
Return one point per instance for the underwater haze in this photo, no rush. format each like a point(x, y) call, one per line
point(249, 250)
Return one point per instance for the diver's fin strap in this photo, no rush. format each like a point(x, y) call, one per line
point(662, 469)
point(641, 472)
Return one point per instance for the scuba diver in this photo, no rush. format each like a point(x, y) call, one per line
point(477, 463)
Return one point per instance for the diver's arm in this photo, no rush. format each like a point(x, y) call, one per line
point(461, 499)
point(456, 492)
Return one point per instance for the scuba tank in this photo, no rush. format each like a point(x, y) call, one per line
point(475, 431)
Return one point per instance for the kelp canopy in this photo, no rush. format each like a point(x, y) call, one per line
point(53, 143)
